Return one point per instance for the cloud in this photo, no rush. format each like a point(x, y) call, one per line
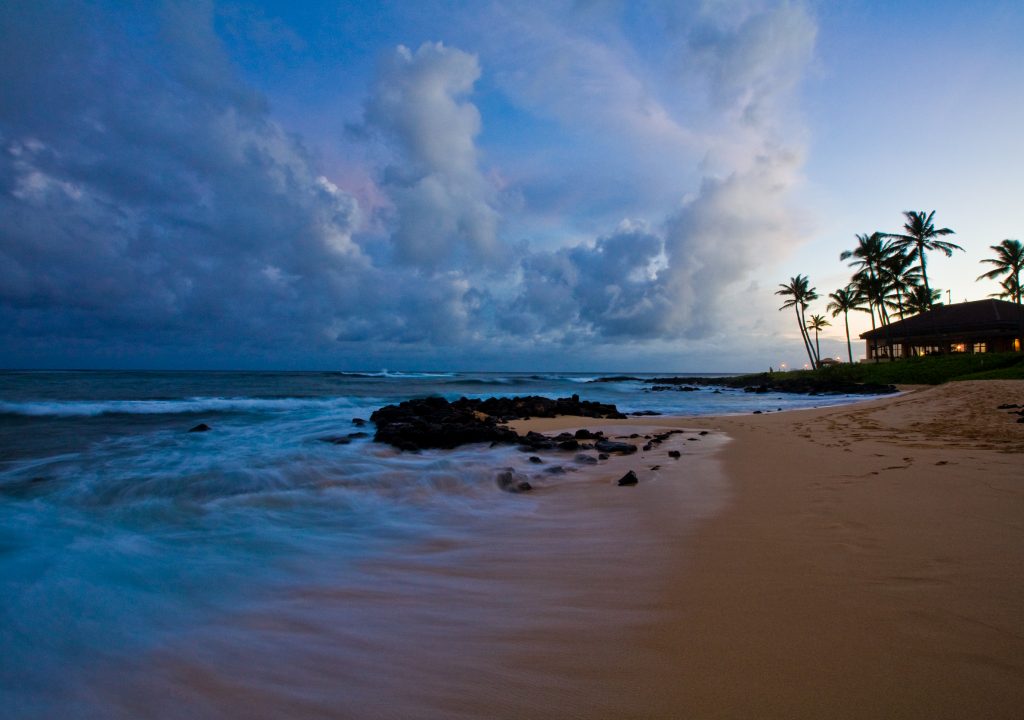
point(152, 202)
point(444, 212)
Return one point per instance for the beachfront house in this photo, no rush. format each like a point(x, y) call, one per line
point(969, 327)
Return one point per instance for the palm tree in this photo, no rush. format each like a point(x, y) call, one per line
point(869, 256)
point(1010, 289)
point(843, 301)
point(1009, 261)
point(922, 299)
point(816, 323)
point(800, 295)
point(920, 236)
point(901, 274)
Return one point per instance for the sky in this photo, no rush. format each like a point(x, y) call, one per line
point(559, 185)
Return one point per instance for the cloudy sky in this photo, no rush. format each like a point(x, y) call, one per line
point(577, 184)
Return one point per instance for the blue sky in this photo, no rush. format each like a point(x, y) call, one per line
point(537, 185)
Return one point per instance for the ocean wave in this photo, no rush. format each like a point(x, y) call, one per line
point(94, 408)
point(397, 375)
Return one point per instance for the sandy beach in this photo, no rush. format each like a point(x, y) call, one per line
point(859, 561)
point(868, 563)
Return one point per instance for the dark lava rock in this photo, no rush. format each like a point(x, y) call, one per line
point(757, 412)
point(655, 467)
point(629, 478)
point(201, 427)
point(645, 413)
point(647, 447)
point(587, 435)
point(602, 456)
point(336, 439)
point(585, 459)
point(535, 460)
point(358, 422)
point(674, 454)
point(616, 378)
point(513, 482)
point(555, 470)
point(611, 446)
point(436, 423)
point(355, 435)
point(569, 445)
point(703, 432)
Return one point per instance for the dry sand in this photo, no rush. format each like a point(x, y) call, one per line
point(870, 564)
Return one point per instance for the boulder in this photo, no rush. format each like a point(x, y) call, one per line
point(201, 427)
point(611, 446)
point(511, 481)
point(629, 478)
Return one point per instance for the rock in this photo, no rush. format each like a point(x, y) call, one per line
point(757, 412)
point(674, 454)
point(647, 447)
point(655, 467)
point(358, 422)
point(434, 422)
point(629, 478)
point(587, 435)
point(511, 481)
point(569, 445)
point(535, 460)
point(201, 427)
point(336, 439)
point(611, 446)
point(703, 432)
point(585, 459)
point(354, 435)
point(602, 456)
point(555, 470)
point(645, 413)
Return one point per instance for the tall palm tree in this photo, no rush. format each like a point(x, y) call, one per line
point(922, 299)
point(1010, 289)
point(816, 323)
point(1009, 261)
point(843, 301)
point(918, 237)
point(869, 256)
point(901, 274)
point(800, 294)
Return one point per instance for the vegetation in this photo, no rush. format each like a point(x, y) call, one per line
point(931, 370)
point(920, 235)
point(800, 295)
point(843, 301)
point(1009, 261)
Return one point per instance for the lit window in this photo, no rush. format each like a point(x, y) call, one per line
point(980, 347)
point(960, 347)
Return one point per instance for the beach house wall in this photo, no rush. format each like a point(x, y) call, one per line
point(970, 327)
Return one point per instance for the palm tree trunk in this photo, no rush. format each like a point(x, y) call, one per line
point(817, 348)
point(924, 275)
point(803, 333)
point(849, 348)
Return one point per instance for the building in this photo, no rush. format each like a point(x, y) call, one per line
point(970, 327)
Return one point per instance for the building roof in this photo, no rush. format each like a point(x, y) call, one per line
point(968, 317)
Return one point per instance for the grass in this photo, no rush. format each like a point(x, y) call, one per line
point(924, 370)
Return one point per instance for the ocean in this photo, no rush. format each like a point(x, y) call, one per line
point(254, 570)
